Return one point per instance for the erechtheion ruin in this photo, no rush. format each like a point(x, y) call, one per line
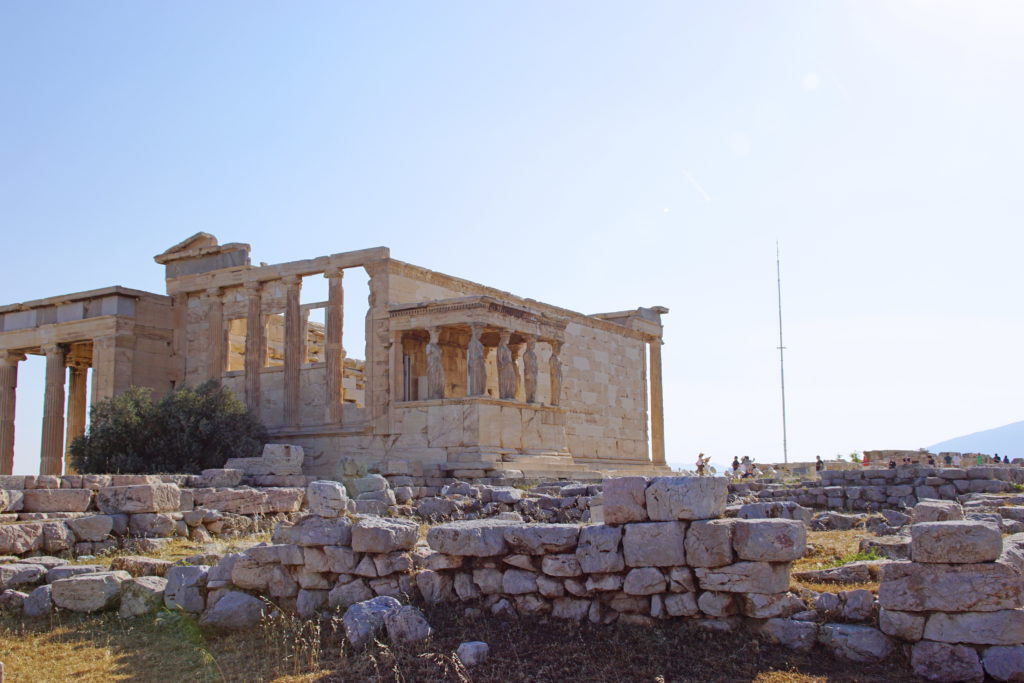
point(454, 374)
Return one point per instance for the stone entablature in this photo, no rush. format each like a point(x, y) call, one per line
point(521, 378)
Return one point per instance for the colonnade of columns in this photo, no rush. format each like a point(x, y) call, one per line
point(65, 404)
point(510, 378)
point(294, 343)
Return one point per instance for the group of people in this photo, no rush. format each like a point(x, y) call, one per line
point(745, 468)
point(955, 460)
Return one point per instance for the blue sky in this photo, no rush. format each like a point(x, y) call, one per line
point(594, 155)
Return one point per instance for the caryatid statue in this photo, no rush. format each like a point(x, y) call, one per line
point(530, 369)
point(477, 362)
point(435, 368)
point(507, 374)
point(555, 368)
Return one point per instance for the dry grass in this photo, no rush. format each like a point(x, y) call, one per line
point(831, 547)
point(180, 548)
point(103, 648)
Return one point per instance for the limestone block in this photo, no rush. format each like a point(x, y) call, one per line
point(89, 592)
point(407, 624)
point(903, 625)
point(349, 593)
point(680, 604)
point(488, 580)
point(220, 478)
point(138, 498)
point(539, 539)
point(795, 635)
point(467, 590)
point(770, 606)
point(644, 581)
point(946, 663)
point(686, 498)
point(570, 608)
point(92, 527)
point(186, 587)
point(717, 604)
point(473, 653)
point(916, 587)
point(138, 565)
point(57, 537)
point(151, 525)
point(518, 582)
point(955, 542)
point(246, 501)
point(625, 500)
point(141, 595)
point(709, 543)
point(598, 550)
point(1005, 627)
point(309, 603)
point(12, 601)
point(1003, 663)
point(19, 575)
point(475, 538)
point(18, 539)
point(369, 484)
point(384, 535)
point(680, 580)
point(364, 619)
point(769, 540)
point(280, 553)
point(547, 586)
point(654, 544)
point(565, 565)
point(38, 603)
point(937, 511)
point(745, 577)
point(603, 583)
point(856, 643)
point(234, 610)
point(67, 571)
point(57, 500)
point(312, 530)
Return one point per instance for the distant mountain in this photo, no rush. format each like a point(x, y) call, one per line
point(1005, 440)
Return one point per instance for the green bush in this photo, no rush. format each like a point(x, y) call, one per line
point(186, 431)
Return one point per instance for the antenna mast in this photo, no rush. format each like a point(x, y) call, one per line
point(782, 366)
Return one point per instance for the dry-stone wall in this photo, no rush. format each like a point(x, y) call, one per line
point(875, 489)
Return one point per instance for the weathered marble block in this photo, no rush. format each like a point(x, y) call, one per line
point(955, 542)
point(745, 577)
point(1005, 627)
point(138, 498)
point(769, 540)
point(654, 544)
point(57, 500)
point(919, 587)
point(625, 500)
point(686, 498)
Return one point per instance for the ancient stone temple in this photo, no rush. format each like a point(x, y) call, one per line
point(454, 375)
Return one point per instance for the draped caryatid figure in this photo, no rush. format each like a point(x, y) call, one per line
point(435, 367)
point(555, 370)
point(507, 377)
point(530, 369)
point(477, 362)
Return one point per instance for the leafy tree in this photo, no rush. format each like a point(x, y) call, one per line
point(186, 431)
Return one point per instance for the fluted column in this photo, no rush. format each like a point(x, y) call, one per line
point(334, 348)
point(255, 346)
point(52, 450)
point(293, 348)
point(8, 392)
point(657, 406)
point(78, 368)
point(555, 372)
point(217, 338)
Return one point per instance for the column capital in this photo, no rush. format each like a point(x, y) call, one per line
point(11, 358)
point(334, 272)
point(53, 349)
point(212, 293)
point(291, 281)
point(253, 287)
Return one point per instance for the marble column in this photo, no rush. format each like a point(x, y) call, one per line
point(255, 346)
point(78, 369)
point(657, 406)
point(555, 371)
point(52, 450)
point(477, 361)
point(8, 390)
point(530, 369)
point(334, 349)
point(294, 348)
point(435, 365)
point(217, 337)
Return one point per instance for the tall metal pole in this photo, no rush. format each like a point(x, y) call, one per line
point(782, 366)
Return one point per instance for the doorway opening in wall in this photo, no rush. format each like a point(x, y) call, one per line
point(357, 293)
point(237, 333)
point(647, 403)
